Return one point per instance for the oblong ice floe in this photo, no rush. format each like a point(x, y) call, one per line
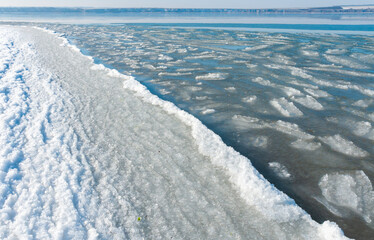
point(286, 108)
point(245, 122)
point(308, 102)
point(344, 146)
point(208, 111)
point(280, 170)
point(290, 91)
point(306, 145)
point(291, 129)
point(317, 93)
point(212, 76)
point(174, 74)
point(249, 99)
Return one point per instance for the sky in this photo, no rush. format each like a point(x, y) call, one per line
point(182, 3)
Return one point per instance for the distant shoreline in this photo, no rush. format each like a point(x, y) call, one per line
point(366, 9)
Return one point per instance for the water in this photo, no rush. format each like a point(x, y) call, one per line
point(300, 106)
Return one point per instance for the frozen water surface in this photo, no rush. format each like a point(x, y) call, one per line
point(90, 153)
point(271, 96)
point(299, 106)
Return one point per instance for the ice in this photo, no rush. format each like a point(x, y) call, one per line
point(345, 61)
point(363, 129)
point(245, 122)
point(308, 102)
point(254, 127)
point(286, 108)
point(306, 145)
point(344, 146)
point(317, 93)
point(310, 53)
point(249, 99)
point(259, 141)
point(230, 89)
point(358, 128)
point(262, 81)
point(336, 69)
point(207, 111)
point(336, 51)
point(254, 48)
point(363, 103)
point(300, 73)
point(280, 170)
point(212, 76)
point(291, 129)
point(163, 57)
point(351, 190)
point(175, 74)
point(289, 91)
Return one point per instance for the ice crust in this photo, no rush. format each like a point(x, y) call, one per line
point(51, 182)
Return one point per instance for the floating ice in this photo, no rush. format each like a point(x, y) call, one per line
point(344, 146)
point(262, 81)
point(352, 190)
point(208, 111)
point(259, 141)
point(245, 122)
point(286, 108)
point(289, 91)
point(230, 89)
point(212, 76)
point(163, 57)
point(249, 99)
point(280, 170)
point(291, 129)
point(346, 61)
point(254, 48)
point(174, 74)
point(308, 102)
point(306, 145)
point(363, 103)
point(310, 53)
point(336, 51)
point(316, 93)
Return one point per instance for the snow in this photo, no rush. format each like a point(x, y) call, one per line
point(85, 159)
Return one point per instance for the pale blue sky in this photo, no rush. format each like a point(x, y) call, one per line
point(184, 3)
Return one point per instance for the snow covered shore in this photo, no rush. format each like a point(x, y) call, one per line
point(89, 153)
